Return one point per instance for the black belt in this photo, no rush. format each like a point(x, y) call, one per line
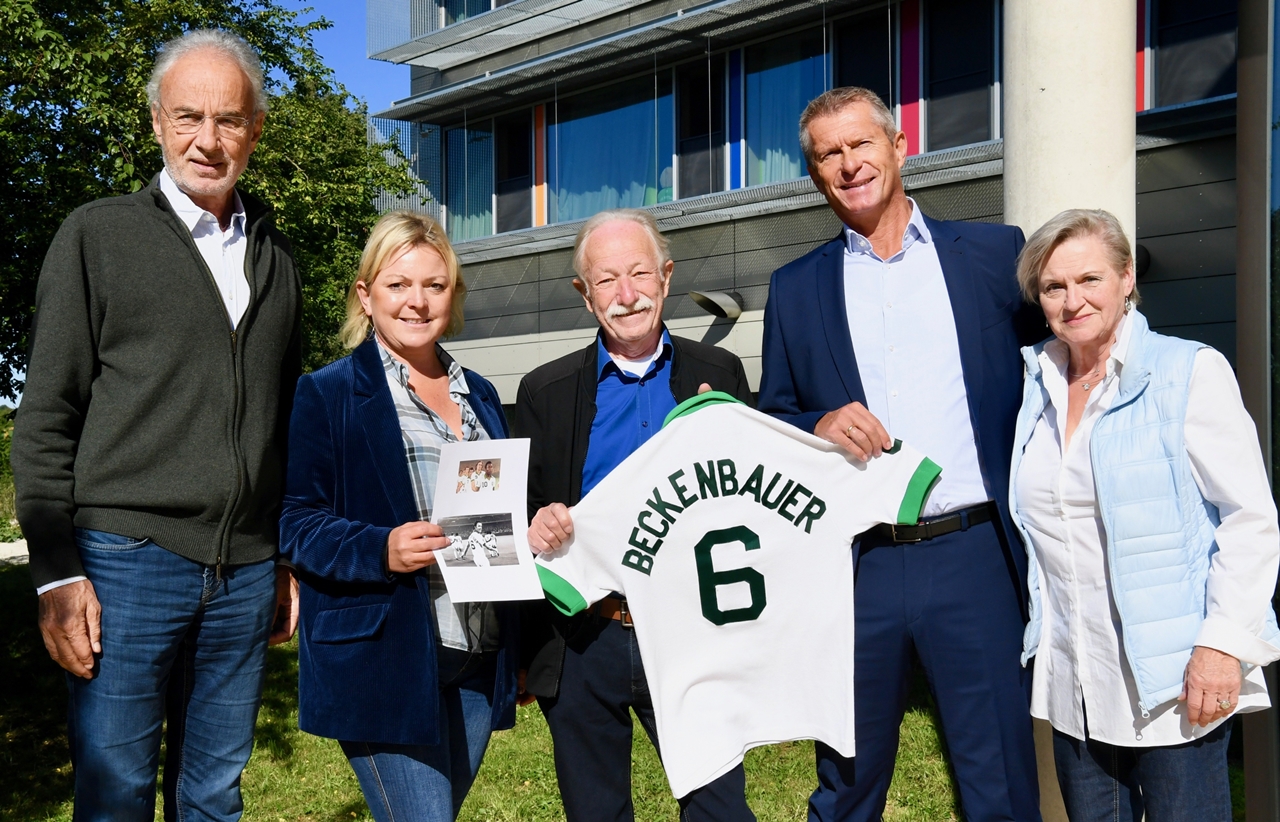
point(945, 524)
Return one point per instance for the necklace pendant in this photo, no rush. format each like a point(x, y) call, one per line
point(1086, 386)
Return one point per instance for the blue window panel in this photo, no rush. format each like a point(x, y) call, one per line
point(611, 148)
point(782, 76)
point(735, 119)
point(469, 181)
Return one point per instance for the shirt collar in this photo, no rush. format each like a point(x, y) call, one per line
point(603, 360)
point(192, 214)
point(397, 369)
point(916, 231)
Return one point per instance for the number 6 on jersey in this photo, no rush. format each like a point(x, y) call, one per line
point(709, 578)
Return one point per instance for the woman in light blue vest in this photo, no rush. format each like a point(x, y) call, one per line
point(1139, 488)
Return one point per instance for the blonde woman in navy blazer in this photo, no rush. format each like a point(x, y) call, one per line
point(380, 667)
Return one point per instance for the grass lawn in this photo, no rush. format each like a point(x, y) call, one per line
point(295, 777)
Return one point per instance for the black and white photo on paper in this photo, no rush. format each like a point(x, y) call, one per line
point(479, 540)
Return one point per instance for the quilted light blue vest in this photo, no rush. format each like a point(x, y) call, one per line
point(1160, 530)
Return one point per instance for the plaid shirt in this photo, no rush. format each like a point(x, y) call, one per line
point(463, 626)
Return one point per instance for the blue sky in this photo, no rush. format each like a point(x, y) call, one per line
point(343, 50)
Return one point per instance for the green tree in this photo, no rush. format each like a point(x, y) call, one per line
point(74, 126)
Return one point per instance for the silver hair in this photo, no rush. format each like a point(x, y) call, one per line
point(638, 216)
point(224, 41)
point(838, 99)
point(1068, 225)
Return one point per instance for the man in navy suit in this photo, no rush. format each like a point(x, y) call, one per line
point(906, 327)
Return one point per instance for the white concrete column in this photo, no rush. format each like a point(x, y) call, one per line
point(1069, 107)
point(1069, 104)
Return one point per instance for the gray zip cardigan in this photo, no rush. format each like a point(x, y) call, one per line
point(144, 413)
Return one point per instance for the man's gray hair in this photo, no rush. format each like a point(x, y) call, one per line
point(837, 100)
point(224, 41)
point(638, 216)
point(1069, 225)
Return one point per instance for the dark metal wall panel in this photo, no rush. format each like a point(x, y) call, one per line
point(705, 274)
point(1221, 336)
point(704, 241)
point(1187, 208)
point(496, 302)
point(1186, 164)
point(755, 267)
point(555, 294)
point(1186, 220)
point(556, 264)
point(981, 200)
point(785, 228)
point(511, 271)
point(1198, 254)
point(1190, 301)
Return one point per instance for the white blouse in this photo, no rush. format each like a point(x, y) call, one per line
point(1080, 668)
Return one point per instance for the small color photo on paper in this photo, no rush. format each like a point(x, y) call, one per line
point(475, 476)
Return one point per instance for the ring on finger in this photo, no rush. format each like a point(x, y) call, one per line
point(848, 432)
point(1225, 704)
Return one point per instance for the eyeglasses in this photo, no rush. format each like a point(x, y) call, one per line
point(227, 125)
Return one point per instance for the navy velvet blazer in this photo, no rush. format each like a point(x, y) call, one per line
point(367, 649)
point(809, 366)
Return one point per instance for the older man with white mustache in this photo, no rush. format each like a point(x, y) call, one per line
point(585, 413)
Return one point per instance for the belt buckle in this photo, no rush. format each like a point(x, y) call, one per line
point(624, 615)
point(893, 531)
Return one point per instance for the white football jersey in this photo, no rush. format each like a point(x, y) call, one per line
point(730, 535)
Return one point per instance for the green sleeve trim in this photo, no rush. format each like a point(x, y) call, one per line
point(698, 401)
point(560, 593)
point(918, 488)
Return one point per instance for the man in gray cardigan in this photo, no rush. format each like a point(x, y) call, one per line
point(149, 449)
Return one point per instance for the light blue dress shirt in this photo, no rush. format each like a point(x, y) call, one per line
point(908, 354)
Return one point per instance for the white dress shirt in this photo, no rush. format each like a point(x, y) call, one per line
point(222, 251)
point(908, 354)
point(1081, 669)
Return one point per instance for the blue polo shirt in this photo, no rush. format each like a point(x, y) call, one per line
point(629, 410)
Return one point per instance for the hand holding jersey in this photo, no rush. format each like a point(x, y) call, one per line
point(769, 512)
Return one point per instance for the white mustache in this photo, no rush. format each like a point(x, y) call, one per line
point(642, 303)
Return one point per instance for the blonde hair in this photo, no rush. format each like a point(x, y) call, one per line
point(394, 233)
point(837, 100)
point(1069, 225)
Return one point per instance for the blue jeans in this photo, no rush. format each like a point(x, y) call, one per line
point(427, 783)
point(155, 603)
point(1177, 783)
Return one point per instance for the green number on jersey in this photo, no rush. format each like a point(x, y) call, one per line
point(709, 578)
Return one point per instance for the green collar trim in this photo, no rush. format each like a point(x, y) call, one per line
point(699, 401)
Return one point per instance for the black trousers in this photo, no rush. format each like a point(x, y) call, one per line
point(590, 721)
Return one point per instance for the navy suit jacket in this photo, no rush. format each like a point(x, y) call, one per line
point(367, 648)
point(809, 367)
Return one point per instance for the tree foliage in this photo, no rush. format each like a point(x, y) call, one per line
point(74, 127)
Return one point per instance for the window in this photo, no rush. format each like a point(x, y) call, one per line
point(1195, 49)
point(513, 171)
point(611, 148)
point(863, 53)
point(783, 75)
point(469, 181)
point(959, 71)
point(456, 11)
point(700, 126)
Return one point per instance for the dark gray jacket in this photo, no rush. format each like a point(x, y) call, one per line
point(144, 414)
